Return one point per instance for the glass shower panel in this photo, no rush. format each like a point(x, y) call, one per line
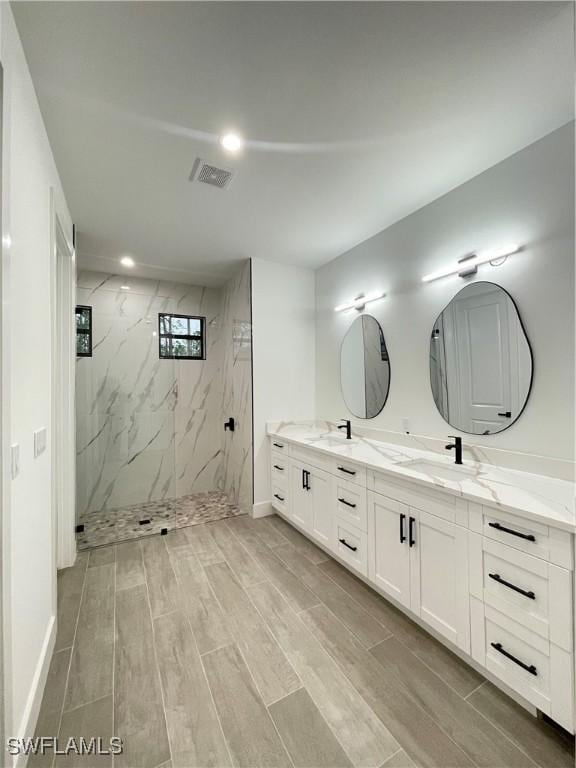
point(126, 398)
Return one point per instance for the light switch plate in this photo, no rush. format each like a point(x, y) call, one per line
point(14, 461)
point(39, 441)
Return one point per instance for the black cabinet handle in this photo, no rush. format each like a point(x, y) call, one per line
point(343, 541)
point(500, 580)
point(499, 527)
point(348, 504)
point(277, 445)
point(277, 467)
point(305, 479)
point(506, 414)
point(411, 539)
point(347, 471)
point(280, 498)
point(230, 424)
point(528, 667)
point(402, 533)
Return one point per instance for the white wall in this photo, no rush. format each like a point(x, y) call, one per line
point(529, 199)
point(29, 569)
point(283, 355)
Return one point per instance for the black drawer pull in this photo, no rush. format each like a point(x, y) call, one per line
point(277, 467)
point(500, 580)
point(499, 527)
point(348, 471)
point(280, 498)
point(277, 445)
point(528, 667)
point(402, 534)
point(348, 504)
point(506, 414)
point(343, 541)
point(411, 539)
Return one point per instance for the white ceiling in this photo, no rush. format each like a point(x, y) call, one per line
point(356, 114)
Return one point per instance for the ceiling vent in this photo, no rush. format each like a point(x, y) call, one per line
point(210, 174)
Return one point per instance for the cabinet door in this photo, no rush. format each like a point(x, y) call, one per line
point(389, 556)
point(439, 577)
point(300, 496)
point(322, 503)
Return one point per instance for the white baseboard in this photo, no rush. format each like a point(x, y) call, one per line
point(262, 509)
point(34, 700)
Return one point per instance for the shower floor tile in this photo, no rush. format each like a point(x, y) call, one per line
point(133, 522)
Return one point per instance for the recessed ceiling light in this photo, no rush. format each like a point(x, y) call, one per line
point(232, 142)
point(124, 287)
point(127, 261)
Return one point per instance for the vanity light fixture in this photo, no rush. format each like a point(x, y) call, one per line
point(468, 265)
point(127, 261)
point(360, 301)
point(232, 142)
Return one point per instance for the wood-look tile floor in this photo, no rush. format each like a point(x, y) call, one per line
point(240, 643)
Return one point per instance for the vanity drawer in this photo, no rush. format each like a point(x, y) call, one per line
point(445, 505)
point(350, 502)
point(528, 590)
point(352, 545)
point(347, 470)
point(280, 498)
point(280, 469)
point(307, 456)
point(533, 667)
point(529, 536)
point(276, 444)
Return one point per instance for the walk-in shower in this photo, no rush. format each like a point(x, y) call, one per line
point(161, 367)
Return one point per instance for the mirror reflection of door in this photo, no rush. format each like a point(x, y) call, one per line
point(480, 360)
point(364, 368)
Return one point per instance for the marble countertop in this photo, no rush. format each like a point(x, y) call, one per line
point(546, 499)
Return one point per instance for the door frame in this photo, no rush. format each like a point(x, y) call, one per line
point(63, 439)
point(5, 658)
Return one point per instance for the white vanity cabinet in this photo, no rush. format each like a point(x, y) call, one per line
point(439, 577)
point(310, 501)
point(522, 608)
point(389, 554)
point(422, 562)
point(280, 480)
point(496, 585)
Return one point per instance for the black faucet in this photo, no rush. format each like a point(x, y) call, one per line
point(348, 427)
point(457, 444)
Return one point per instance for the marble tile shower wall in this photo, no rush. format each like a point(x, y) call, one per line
point(237, 474)
point(146, 428)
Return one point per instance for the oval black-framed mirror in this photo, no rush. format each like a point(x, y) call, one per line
point(481, 363)
point(364, 368)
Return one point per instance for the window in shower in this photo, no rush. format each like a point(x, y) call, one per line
point(182, 337)
point(83, 331)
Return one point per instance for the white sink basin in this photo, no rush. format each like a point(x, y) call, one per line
point(441, 471)
point(335, 441)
